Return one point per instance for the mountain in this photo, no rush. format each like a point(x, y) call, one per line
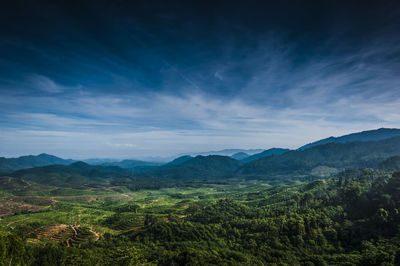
point(240, 156)
point(392, 163)
point(369, 135)
point(131, 164)
point(77, 174)
point(266, 153)
point(98, 161)
point(331, 157)
point(8, 165)
point(179, 160)
point(200, 167)
point(226, 152)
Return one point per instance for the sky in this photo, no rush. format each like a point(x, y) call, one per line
point(134, 79)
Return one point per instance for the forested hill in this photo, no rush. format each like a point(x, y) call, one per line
point(331, 156)
point(392, 163)
point(369, 135)
point(266, 153)
point(74, 175)
point(199, 167)
point(8, 165)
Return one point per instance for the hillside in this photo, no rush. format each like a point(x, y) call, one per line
point(332, 156)
point(226, 152)
point(179, 160)
point(74, 175)
point(200, 167)
point(369, 135)
point(131, 164)
point(8, 165)
point(266, 153)
point(240, 156)
point(392, 163)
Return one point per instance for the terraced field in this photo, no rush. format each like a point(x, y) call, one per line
point(72, 217)
point(71, 235)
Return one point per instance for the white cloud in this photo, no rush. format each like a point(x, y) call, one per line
point(46, 84)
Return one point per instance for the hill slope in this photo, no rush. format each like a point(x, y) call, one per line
point(392, 163)
point(8, 165)
point(226, 152)
point(131, 164)
point(179, 160)
point(240, 156)
point(331, 156)
point(369, 135)
point(266, 153)
point(74, 175)
point(200, 167)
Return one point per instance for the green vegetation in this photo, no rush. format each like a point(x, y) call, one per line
point(337, 156)
point(8, 165)
point(349, 219)
point(332, 204)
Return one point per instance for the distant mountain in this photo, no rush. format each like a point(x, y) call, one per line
point(74, 175)
point(200, 167)
point(8, 165)
point(179, 160)
point(240, 156)
point(226, 152)
point(369, 135)
point(131, 164)
point(99, 161)
point(266, 153)
point(331, 157)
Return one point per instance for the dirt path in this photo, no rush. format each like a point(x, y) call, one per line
point(73, 228)
point(134, 228)
point(16, 221)
point(95, 233)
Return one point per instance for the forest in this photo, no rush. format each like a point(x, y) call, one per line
point(351, 218)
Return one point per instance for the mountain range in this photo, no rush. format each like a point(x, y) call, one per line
point(76, 174)
point(199, 167)
point(8, 165)
point(266, 153)
point(279, 165)
point(333, 156)
point(369, 135)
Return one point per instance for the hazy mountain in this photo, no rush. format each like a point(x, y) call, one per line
point(179, 160)
point(369, 135)
point(74, 175)
point(240, 156)
point(392, 163)
point(200, 167)
point(131, 164)
point(330, 156)
point(226, 152)
point(266, 153)
point(8, 165)
point(98, 161)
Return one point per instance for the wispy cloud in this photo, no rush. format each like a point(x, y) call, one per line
point(43, 83)
point(144, 92)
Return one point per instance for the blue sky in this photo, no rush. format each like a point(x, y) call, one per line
point(138, 79)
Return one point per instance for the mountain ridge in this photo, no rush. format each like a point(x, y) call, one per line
point(367, 135)
point(8, 165)
point(330, 156)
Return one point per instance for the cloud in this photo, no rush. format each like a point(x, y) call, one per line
point(159, 98)
point(43, 83)
point(123, 145)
